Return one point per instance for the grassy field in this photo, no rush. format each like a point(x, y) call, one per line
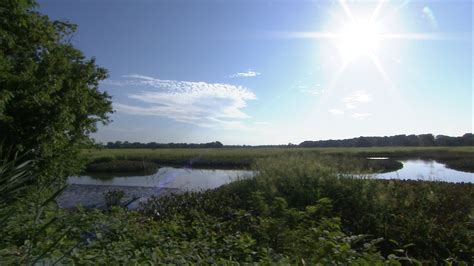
point(245, 157)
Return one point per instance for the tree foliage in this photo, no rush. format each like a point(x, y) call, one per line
point(425, 140)
point(49, 91)
point(154, 145)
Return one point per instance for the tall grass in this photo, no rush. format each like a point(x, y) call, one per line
point(430, 221)
point(433, 216)
point(27, 213)
point(297, 210)
point(245, 157)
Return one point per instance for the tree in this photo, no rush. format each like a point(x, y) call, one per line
point(468, 139)
point(49, 92)
point(362, 142)
point(412, 140)
point(399, 140)
point(427, 140)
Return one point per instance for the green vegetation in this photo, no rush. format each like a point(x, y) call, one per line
point(27, 207)
point(350, 164)
point(299, 209)
point(49, 92)
point(287, 207)
point(462, 164)
point(295, 210)
point(122, 166)
point(423, 140)
point(343, 159)
point(113, 197)
point(376, 166)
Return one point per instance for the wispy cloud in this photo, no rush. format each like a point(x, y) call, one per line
point(126, 130)
point(246, 74)
point(352, 102)
point(200, 103)
point(429, 15)
point(335, 111)
point(360, 115)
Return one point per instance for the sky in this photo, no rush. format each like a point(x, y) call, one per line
point(275, 72)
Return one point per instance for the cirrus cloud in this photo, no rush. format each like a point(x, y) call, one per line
point(246, 74)
point(200, 103)
point(429, 15)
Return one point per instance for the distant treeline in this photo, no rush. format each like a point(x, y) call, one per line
point(423, 140)
point(155, 145)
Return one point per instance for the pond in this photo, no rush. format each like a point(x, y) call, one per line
point(187, 179)
point(89, 191)
point(428, 170)
point(170, 177)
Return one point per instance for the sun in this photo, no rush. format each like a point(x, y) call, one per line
point(358, 38)
point(364, 35)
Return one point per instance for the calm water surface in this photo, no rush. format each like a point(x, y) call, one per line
point(169, 177)
point(429, 170)
point(197, 179)
point(181, 179)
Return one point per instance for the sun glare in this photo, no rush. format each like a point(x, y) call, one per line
point(357, 39)
point(362, 35)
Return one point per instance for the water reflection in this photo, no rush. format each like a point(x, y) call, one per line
point(169, 177)
point(428, 170)
point(196, 179)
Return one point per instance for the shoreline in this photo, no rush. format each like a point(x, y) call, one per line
point(92, 196)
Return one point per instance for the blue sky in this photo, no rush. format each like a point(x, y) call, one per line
point(269, 72)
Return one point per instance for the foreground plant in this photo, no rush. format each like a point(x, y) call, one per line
point(26, 217)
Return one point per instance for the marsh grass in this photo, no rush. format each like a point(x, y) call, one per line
point(434, 216)
point(296, 210)
point(460, 164)
point(122, 166)
point(429, 221)
point(340, 158)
